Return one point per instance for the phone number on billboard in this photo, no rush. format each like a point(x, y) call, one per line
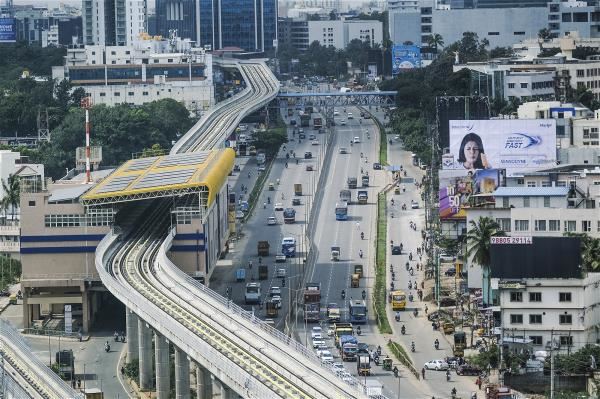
point(512, 240)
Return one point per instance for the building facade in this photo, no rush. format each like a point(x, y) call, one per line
point(249, 25)
point(113, 22)
point(300, 33)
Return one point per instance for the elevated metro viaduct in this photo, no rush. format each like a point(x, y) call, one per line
point(65, 221)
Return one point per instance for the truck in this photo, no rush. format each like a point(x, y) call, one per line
point(261, 158)
point(348, 347)
point(289, 215)
point(318, 123)
point(240, 274)
point(298, 189)
point(363, 365)
point(288, 247)
point(340, 330)
point(365, 180)
point(263, 248)
point(312, 293)
point(352, 181)
point(346, 196)
point(312, 312)
point(305, 120)
point(333, 313)
point(263, 272)
point(363, 197)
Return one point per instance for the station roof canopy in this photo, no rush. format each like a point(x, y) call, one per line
point(164, 176)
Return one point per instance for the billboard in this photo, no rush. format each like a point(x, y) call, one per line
point(459, 190)
point(8, 31)
point(405, 57)
point(516, 145)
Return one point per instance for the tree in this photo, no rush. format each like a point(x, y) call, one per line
point(435, 40)
point(478, 245)
point(590, 251)
point(544, 34)
point(12, 193)
point(332, 15)
point(271, 140)
point(501, 52)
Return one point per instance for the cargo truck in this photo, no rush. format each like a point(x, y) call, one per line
point(318, 123)
point(352, 181)
point(333, 313)
point(363, 365)
point(305, 120)
point(289, 215)
point(312, 312)
point(312, 293)
point(263, 248)
point(298, 189)
point(348, 347)
point(341, 329)
point(263, 272)
point(363, 197)
point(346, 195)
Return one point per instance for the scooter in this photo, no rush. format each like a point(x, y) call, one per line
point(448, 376)
point(397, 317)
point(437, 344)
point(358, 331)
point(412, 347)
point(403, 330)
point(106, 347)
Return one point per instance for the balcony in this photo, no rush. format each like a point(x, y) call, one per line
point(13, 231)
point(10, 246)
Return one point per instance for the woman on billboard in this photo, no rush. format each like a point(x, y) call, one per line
point(471, 154)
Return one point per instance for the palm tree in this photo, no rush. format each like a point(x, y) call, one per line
point(478, 245)
point(12, 193)
point(435, 40)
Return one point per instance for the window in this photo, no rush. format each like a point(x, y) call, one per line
point(540, 225)
point(493, 33)
point(526, 202)
point(536, 339)
point(554, 225)
point(535, 297)
point(580, 17)
point(531, 184)
point(63, 220)
point(524, 85)
point(561, 183)
point(516, 319)
point(546, 202)
point(570, 225)
point(566, 17)
point(521, 225)
point(580, 73)
point(102, 94)
point(564, 297)
point(535, 319)
point(505, 202)
point(504, 223)
point(520, 33)
point(586, 225)
point(520, 182)
point(130, 93)
point(565, 319)
point(31, 203)
point(566, 340)
point(598, 227)
point(113, 53)
point(144, 93)
point(516, 296)
point(511, 85)
point(117, 94)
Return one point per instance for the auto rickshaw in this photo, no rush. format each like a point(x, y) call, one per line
point(271, 309)
point(397, 190)
point(271, 187)
point(387, 363)
point(448, 327)
point(335, 253)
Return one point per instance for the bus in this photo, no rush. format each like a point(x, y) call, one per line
point(398, 300)
point(288, 247)
point(341, 211)
point(358, 311)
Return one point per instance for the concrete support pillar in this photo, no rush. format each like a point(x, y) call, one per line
point(204, 387)
point(227, 393)
point(163, 376)
point(182, 375)
point(145, 355)
point(26, 310)
point(85, 310)
point(131, 326)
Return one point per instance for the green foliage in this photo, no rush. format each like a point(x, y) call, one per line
point(21, 56)
point(121, 130)
point(400, 353)
point(379, 295)
point(585, 96)
point(590, 251)
point(435, 41)
point(489, 358)
point(11, 271)
point(12, 194)
point(548, 52)
point(132, 369)
point(501, 52)
point(575, 363)
point(544, 34)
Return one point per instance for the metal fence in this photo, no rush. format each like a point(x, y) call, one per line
point(538, 383)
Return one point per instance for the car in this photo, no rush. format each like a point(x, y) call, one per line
point(321, 349)
point(315, 142)
point(397, 137)
point(338, 367)
point(356, 140)
point(376, 166)
point(280, 273)
point(347, 378)
point(396, 250)
point(350, 116)
point(5, 293)
point(300, 130)
point(261, 168)
point(362, 114)
point(467, 369)
point(274, 291)
point(414, 204)
point(326, 356)
point(280, 258)
point(238, 215)
point(271, 221)
point(367, 115)
point(343, 122)
point(296, 201)
point(316, 343)
point(278, 206)
point(438, 365)
point(309, 168)
point(301, 135)
point(336, 113)
point(316, 332)
point(343, 150)
point(276, 299)
point(447, 301)
point(312, 137)
point(293, 122)
point(451, 272)
point(308, 155)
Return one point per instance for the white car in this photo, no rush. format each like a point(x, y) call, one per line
point(338, 367)
point(350, 116)
point(271, 221)
point(317, 343)
point(279, 206)
point(347, 377)
point(326, 356)
point(316, 332)
point(315, 142)
point(280, 273)
point(239, 215)
point(262, 168)
point(436, 365)
point(414, 204)
point(275, 291)
point(343, 122)
point(343, 150)
point(356, 140)
point(336, 113)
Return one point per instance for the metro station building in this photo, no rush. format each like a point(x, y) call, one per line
point(63, 223)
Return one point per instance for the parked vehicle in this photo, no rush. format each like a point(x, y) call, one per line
point(438, 365)
point(467, 369)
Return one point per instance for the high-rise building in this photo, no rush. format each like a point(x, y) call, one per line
point(113, 22)
point(247, 24)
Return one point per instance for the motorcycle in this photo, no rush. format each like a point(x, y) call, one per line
point(412, 347)
point(107, 347)
point(448, 376)
point(116, 335)
point(362, 235)
point(360, 253)
point(403, 330)
point(415, 312)
point(358, 331)
point(378, 350)
point(437, 344)
point(343, 294)
point(364, 294)
point(398, 316)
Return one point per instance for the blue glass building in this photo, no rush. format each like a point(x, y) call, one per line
point(248, 24)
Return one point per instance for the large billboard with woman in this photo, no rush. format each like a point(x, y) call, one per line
point(516, 145)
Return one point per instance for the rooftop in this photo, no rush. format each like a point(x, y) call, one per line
point(531, 192)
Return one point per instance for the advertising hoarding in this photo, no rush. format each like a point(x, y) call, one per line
point(8, 31)
point(405, 57)
point(517, 145)
point(460, 189)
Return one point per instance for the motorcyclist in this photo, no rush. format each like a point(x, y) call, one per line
point(296, 161)
point(361, 154)
point(360, 253)
point(268, 200)
point(412, 346)
point(403, 329)
point(358, 331)
point(398, 316)
point(415, 312)
point(436, 344)
point(286, 164)
point(447, 375)
point(364, 294)
point(343, 294)
point(379, 350)
point(362, 235)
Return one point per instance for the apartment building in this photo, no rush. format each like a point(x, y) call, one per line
point(113, 22)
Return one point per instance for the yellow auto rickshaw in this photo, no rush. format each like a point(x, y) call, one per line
point(387, 364)
point(448, 327)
